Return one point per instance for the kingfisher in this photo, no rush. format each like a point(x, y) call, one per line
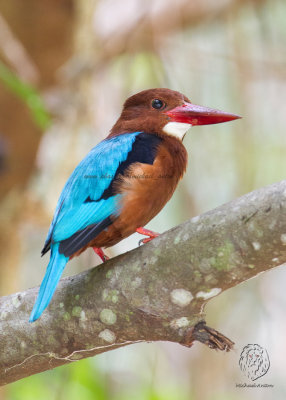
point(124, 181)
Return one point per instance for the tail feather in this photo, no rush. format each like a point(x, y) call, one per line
point(53, 273)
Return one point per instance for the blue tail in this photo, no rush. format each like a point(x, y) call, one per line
point(54, 271)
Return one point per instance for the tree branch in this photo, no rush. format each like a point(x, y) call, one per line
point(155, 292)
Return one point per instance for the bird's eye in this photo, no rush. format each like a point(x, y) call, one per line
point(158, 104)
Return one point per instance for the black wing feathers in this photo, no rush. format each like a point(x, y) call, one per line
point(81, 238)
point(144, 151)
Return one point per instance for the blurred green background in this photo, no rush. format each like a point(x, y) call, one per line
point(65, 69)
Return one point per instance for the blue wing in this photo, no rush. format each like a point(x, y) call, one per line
point(83, 210)
point(80, 204)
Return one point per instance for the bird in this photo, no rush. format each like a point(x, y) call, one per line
point(124, 181)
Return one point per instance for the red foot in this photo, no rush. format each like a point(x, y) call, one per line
point(100, 253)
point(146, 232)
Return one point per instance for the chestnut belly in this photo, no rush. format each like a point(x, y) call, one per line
point(145, 189)
point(141, 201)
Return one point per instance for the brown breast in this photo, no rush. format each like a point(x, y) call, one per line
point(146, 189)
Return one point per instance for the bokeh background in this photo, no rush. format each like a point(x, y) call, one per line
point(66, 66)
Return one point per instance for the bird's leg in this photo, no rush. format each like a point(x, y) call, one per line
point(100, 253)
point(146, 232)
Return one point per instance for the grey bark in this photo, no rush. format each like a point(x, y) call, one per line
point(155, 292)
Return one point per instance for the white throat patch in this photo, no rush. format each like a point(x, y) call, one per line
point(177, 129)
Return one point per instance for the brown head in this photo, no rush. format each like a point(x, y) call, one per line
point(165, 112)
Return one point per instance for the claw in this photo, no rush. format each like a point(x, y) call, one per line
point(101, 254)
point(146, 232)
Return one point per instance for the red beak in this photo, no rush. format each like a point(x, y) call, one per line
point(197, 115)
